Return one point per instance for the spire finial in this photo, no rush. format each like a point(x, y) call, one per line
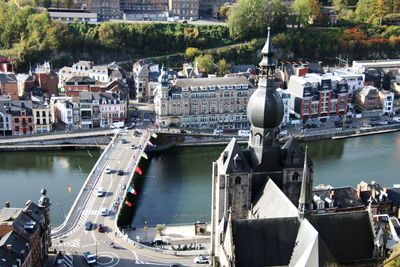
point(305, 193)
point(267, 52)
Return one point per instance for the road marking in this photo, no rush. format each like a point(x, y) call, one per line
point(68, 259)
point(108, 254)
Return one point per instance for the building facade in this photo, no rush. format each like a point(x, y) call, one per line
point(368, 98)
point(105, 9)
point(41, 117)
point(318, 96)
point(144, 10)
point(9, 85)
point(22, 117)
point(204, 102)
point(286, 106)
point(184, 9)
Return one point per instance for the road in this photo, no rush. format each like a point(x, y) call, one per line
point(75, 240)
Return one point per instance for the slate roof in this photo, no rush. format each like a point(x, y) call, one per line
point(242, 68)
point(345, 197)
point(264, 242)
point(8, 78)
point(347, 235)
point(227, 158)
point(394, 195)
point(81, 79)
point(212, 81)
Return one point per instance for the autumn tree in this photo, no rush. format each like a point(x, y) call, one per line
point(251, 18)
point(223, 67)
point(308, 11)
point(191, 52)
point(206, 62)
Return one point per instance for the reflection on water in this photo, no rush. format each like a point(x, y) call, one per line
point(177, 185)
point(23, 174)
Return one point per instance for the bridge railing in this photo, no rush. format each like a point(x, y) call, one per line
point(83, 194)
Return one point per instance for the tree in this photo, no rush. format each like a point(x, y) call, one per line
point(223, 67)
point(251, 18)
point(206, 62)
point(223, 11)
point(308, 11)
point(191, 52)
point(160, 228)
point(46, 3)
point(68, 3)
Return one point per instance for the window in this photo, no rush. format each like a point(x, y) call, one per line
point(237, 180)
point(295, 177)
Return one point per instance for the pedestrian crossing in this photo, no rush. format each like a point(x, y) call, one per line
point(73, 243)
point(68, 259)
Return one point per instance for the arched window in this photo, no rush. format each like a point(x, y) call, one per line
point(295, 177)
point(237, 180)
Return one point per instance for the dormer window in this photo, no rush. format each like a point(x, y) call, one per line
point(295, 177)
point(237, 180)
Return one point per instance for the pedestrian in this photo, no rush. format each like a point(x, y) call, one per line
point(115, 233)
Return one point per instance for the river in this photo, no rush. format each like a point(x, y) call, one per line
point(23, 174)
point(176, 185)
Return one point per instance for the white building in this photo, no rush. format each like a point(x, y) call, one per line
point(41, 117)
point(112, 109)
point(286, 105)
point(386, 64)
point(218, 102)
point(62, 109)
point(354, 80)
point(387, 99)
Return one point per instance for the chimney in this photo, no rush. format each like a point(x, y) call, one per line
point(358, 190)
point(332, 195)
point(8, 204)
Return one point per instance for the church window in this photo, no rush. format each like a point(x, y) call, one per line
point(237, 180)
point(295, 177)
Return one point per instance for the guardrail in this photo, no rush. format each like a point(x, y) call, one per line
point(99, 166)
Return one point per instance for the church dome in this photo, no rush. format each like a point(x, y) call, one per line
point(265, 108)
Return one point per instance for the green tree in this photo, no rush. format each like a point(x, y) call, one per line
point(364, 10)
point(160, 228)
point(206, 62)
point(308, 11)
point(191, 52)
point(223, 67)
point(46, 3)
point(223, 11)
point(251, 18)
point(68, 3)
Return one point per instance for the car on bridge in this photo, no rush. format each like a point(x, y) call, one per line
point(89, 257)
point(108, 169)
point(88, 225)
point(104, 212)
point(120, 172)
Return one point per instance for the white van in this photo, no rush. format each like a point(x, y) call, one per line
point(104, 212)
point(108, 169)
point(100, 192)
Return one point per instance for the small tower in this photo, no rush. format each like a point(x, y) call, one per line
point(265, 109)
point(306, 190)
point(44, 204)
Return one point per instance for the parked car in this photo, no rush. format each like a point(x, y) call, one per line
point(89, 257)
point(123, 141)
point(218, 131)
point(101, 228)
point(202, 259)
point(88, 225)
point(120, 172)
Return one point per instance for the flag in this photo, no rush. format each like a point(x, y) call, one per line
point(144, 155)
point(138, 170)
point(132, 190)
point(150, 143)
point(69, 189)
point(154, 135)
point(129, 204)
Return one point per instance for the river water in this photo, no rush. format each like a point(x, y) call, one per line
point(23, 174)
point(176, 185)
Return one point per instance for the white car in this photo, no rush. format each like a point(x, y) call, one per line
point(100, 192)
point(202, 259)
point(108, 169)
point(104, 212)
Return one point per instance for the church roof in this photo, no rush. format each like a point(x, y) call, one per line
point(233, 159)
point(264, 242)
point(273, 203)
point(347, 235)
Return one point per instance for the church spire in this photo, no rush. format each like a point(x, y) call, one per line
point(306, 188)
point(268, 53)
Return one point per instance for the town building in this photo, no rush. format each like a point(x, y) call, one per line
point(262, 203)
point(360, 66)
point(387, 102)
point(218, 102)
point(5, 116)
point(65, 112)
point(22, 117)
point(113, 108)
point(105, 9)
point(211, 7)
point(368, 98)
point(185, 9)
point(24, 82)
point(76, 84)
point(144, 10)
point(354, 80)
point(89, 110)
point(69, 16)
point(286, 105)
point(318, 96)
point(141, 76)
point(25, 233)
point(46, 79)
point(9, 85)
point(41, 117)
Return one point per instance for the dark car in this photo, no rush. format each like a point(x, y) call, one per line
point(120, 172)
point(88, 225)
point(101, 228)
point(123, 141)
